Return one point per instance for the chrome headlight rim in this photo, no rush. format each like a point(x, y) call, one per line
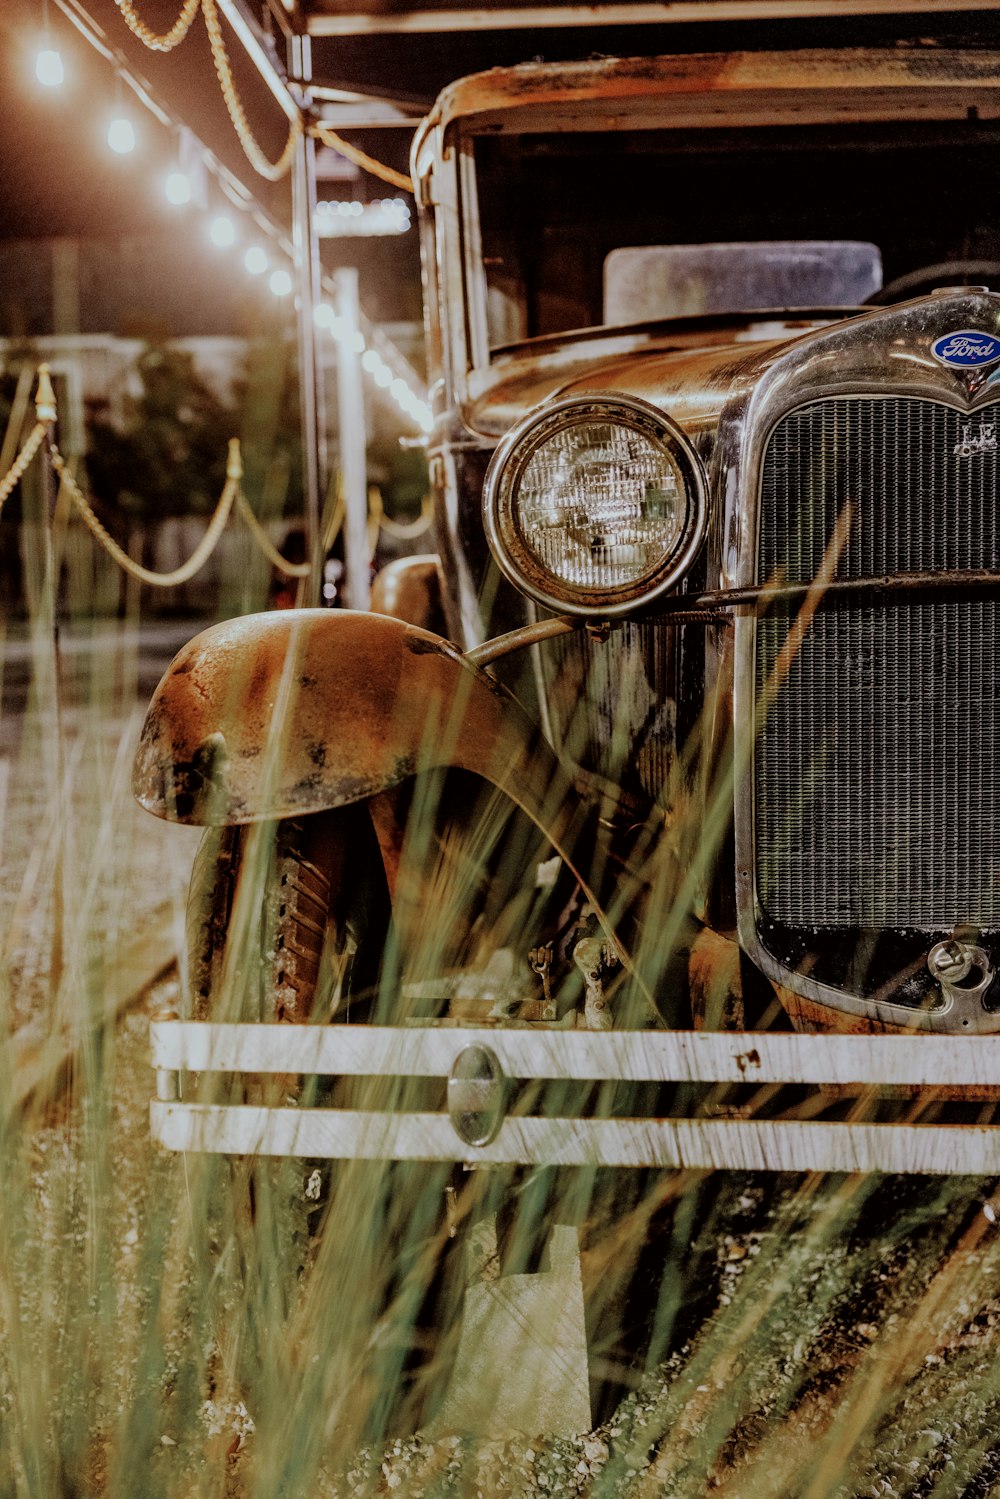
point(517, 560)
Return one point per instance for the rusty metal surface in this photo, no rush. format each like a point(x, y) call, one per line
point(292, 712)
point(277, 714)
point(338, 18)
point(741, 87)
point(811, 1018)
point(688, 375)
point(411, 589)
point(716, 985)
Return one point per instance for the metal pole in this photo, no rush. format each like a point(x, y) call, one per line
point(261, 50)
point(310, 396)
point(351, 420)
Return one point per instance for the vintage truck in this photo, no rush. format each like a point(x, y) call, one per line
point(712, 620)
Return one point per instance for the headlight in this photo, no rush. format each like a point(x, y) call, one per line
point(595, 504)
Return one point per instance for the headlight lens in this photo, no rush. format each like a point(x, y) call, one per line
point(595, 504)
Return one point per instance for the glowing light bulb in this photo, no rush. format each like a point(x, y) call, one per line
point(323, 315)
point(121, 135)
point(222, 231)
point(280, 283)
point(383, 377)
point(177, 188)
point(255, 260)
point(49, 68)
point(371, 361)
point(399, 390)
point(357, 342)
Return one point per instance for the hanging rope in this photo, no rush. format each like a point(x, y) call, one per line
point(260, 536)
point(45, 415)
point(401, 530)
point(273, 171)
point(232, 496)
point(23, 460)
point(149, 38)
point(329, 137)
point(201, 553)
point(232, 493)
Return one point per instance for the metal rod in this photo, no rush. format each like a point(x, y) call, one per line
point(924, 1061)
point(712, 608)
point(310, 376)
point(351, 422)
point(793, 593)
point(517, 640)
point(678, 1144)
point(256, 44)
point(659, 12)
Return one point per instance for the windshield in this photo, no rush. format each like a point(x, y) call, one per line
point(554, 206)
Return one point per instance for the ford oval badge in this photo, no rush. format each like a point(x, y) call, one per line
point(967, 349)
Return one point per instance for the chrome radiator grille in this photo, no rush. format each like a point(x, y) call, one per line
point(877, 770)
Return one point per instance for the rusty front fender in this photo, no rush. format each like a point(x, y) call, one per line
point(299, 711)
point(280, 714)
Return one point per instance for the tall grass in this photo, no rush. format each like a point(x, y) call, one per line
point(199, 1326)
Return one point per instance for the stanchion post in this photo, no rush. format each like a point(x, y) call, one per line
point(46, 668)
point(310, 376)
point(351, 421)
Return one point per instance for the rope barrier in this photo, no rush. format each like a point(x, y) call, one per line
point(202, 551)
point(166, 41)
point(232, 497)
point(23, 461)
point(273, 171)
point(401, 530)
point(260, 536)
point(330, 137)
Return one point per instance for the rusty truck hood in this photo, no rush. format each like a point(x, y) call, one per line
point(690, 367)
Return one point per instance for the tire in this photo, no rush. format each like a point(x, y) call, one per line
point(315, 926)
point(289, 922)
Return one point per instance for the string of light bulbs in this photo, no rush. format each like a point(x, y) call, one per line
point(270, 254)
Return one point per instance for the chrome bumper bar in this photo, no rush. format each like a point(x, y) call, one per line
point(957, 1063)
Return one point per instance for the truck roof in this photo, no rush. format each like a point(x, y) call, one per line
point(727, 89)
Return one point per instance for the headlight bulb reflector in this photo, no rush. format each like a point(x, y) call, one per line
point(600, 504)
point(595, 504)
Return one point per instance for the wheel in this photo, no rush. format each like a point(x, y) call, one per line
point(289, 922)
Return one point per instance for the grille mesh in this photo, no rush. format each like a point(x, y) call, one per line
point(877, 771)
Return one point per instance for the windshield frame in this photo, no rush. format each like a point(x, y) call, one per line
point(855, 86)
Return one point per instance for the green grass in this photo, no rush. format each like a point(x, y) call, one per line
point(199, 1327)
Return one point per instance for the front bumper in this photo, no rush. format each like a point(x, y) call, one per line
point(928, 1064)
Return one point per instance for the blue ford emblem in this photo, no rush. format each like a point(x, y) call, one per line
point(967, 349)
